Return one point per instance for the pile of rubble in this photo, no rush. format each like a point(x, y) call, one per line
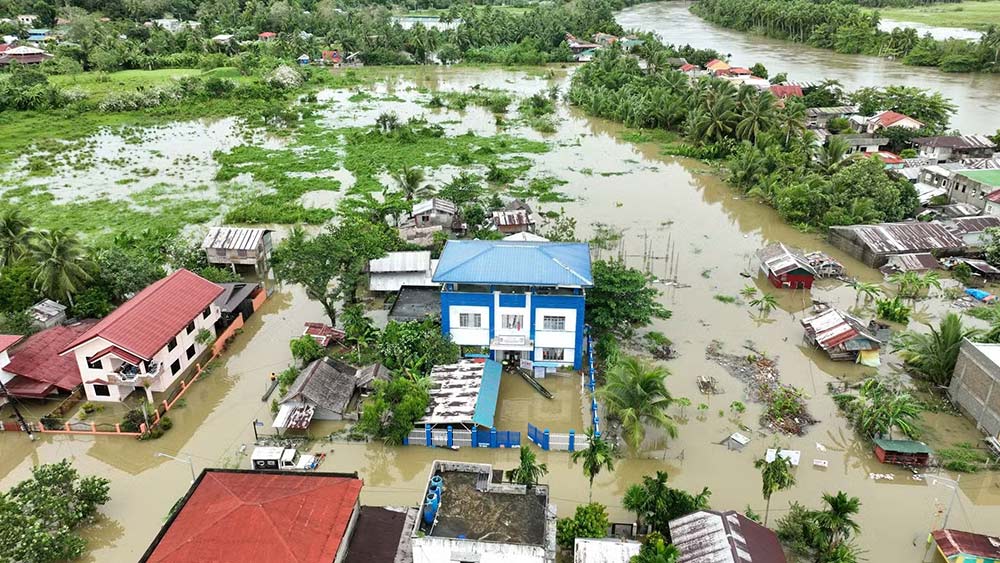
point(786, 409)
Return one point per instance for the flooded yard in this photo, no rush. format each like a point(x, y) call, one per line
point(702, 237)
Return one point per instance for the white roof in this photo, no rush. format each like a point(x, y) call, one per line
point(233, 238)
point(454, 393)
point(24, 50)
point(604, 550)
point(415, 261)
point(437, 203)
point(267, 452)
point(791, 455)
point(526, 237)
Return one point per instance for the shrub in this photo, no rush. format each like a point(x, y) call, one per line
point(589, 521)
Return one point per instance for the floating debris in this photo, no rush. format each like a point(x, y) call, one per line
point(709, 386)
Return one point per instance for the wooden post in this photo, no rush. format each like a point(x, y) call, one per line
point(93, 427)
point(118, 427)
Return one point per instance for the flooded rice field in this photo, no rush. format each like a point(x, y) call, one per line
point(702, 237)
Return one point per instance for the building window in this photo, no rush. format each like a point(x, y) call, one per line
point(175, 367)
point(172, 344)
point(206, 312)
point(102, 391)
point(512, 322)
point(553, 354)
point(94, 364)
point(470, 320)
point(553, 323)
point(190, 352)
point(190, 327)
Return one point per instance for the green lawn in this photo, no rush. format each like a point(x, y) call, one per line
point(975, 14)
point(96, 84)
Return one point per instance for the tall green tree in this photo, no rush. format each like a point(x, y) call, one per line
point(411, 182)
point(621, 299)
point(775, 476)
point(597, 456)
point(656, 549)
point(589, 521)
point(635, 394)
point(61, 266)
point(528, 472)
point(15, 236)
point(656, 504)
point(932, 355)
point(390, 413)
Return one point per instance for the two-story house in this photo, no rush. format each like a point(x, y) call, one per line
point(150, 340)
point(520, 301)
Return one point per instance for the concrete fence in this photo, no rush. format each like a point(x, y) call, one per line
point(451, 437)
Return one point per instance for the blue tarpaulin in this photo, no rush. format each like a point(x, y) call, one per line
point(489, 391)
point(980, 294)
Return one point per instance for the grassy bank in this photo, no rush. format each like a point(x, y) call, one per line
point(969, 15)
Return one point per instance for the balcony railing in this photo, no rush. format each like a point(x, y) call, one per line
point(128, 374)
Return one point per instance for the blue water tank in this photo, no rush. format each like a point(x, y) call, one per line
point(437, 480)
point(431, 508)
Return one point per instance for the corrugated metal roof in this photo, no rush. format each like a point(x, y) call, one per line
point(550, 264)
point(957, 542)
point(708, 536)
point(914, 262)
point(896, 238)
point(780, 259)
point(832, 110)
point(903, 446)
point(233, 238)
point(463, 393)
point(604, 550)
point(955, 141)
point(831, 328)
point(512, 218)
point(415, 261)
point(436, 203)
point(987, 177)
point(965, 225)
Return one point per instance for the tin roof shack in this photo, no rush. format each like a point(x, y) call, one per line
point(232, 246)
point(604, 550)
point(862, 143)
point(415, 303)
point(431, 212)
point(236, 299)
point(786, 267)
point(463, 394)
point(975, 385)
point(970, 229)
point(48, 313)
point(396, 269)
point(323, 391)
point(713, 536)
point(902, 452)
point(468, 517)
point(826, 266)
point(250, 516)
point(873, 244)
point(981, 269)
point(916, 262)
point(955, 147)
point(817, 118)
point(842, 336)
point(513, 221)
point(957, 546)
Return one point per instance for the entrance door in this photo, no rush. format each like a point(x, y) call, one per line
point(511, 359)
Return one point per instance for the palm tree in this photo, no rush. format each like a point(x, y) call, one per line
point(836, 521)
point(596, 456)
point(775, 476)
point(911, 284)
point(832, 156)
point(792, 119)
point(883, 408)
point(15, 236)
point(529, 472)
point(748, 292)
point(765, 303)
point(933, 355)
point(60, 264)
point(636, 395)
point(410, 180)
point(655, 549)
point(758, 117)
point(868, 290)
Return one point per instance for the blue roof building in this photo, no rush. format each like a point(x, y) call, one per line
point(521, 302)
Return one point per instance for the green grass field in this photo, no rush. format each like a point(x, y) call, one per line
point(974, 14)
point(96, 84)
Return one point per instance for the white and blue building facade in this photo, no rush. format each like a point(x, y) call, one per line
point(521, 301)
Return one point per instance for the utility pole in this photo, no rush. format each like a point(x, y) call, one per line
point(17, 412)
point(188, 461)
point(951, 484)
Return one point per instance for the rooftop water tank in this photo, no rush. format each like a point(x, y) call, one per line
point(431, 508)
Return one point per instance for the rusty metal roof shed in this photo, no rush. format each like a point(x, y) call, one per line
point(965, 225)
point(916, 262)
point(900, 238)
point(233, 238)
point(780, 259)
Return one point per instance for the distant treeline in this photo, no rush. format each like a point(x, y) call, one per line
point(850, 29)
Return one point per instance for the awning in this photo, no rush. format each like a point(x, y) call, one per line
point(127, 356)
point(512, 342)
point(294, 416)
point(489, 391)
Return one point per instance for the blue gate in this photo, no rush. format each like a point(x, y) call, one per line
point(493, 438)
point(539, 437)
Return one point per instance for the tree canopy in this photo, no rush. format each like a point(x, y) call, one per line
point(621, 299)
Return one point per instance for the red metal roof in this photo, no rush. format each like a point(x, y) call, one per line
point(145, 323)
point(37, 360)
point(130, 358)
point(264, 517)
point(786, 90)
point(994, 196)
point(888, 118)
point(956, 542)
point(687, 67)
point(8, 340)
point(267, 34)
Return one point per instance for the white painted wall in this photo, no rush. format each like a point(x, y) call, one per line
point(525, 314)
point(469, 336)
point(449, 550)
point(4, 360)
point(164, 357)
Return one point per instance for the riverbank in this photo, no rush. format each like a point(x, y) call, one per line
point(978, 15)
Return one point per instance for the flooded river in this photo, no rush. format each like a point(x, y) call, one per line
point(976, 95)
point(663, 203)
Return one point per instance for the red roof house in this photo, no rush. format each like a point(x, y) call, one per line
point(266, 35)
point(786, 91)
point(261, 516)
point(149, 340)
point(885, 119)
point(956, 546)
point(8, 340)
point(37, 367)
point(688, 67)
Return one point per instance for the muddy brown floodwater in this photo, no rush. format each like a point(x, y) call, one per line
point(661, 203)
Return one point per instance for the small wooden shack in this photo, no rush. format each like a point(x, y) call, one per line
point(786, 267)
point(902, 452)
point(232, 246)
point(843, 337)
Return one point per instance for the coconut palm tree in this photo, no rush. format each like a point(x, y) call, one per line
point(758, 117)
point(410, 182)
point(832, 156)
point(529, 472)
point(748, 292)
point(883, 408)
point(867, 290)
point(598, 455)
point(792, 119)
point(60, 264)
point(636, 395)
point(911, 284)
point(15, 236)
point(836, 521)
point(933, 355)
point(765, 303)
point(775, 476)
